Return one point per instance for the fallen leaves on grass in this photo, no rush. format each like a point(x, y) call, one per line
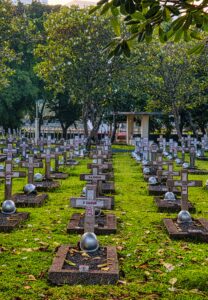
point(70, 263)
point(173, 281)
point(31, 278)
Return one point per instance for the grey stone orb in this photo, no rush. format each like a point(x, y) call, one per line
point(170, 196)
point(198, 153)
point(144, 162)
point(165, 153)
point(152, 180)
point(169, 157)
point(17, 160)
point(8, 207)
point(97, 212)
point(84, 190)
point(1, 167)
point(185, 165)
point(184, 217)
point(89, 242)
point(146, 171)
point(138, 158)
point(94, 161)
point(61, 162)
point(29, 189)
point(38, 177)
point(178, 161)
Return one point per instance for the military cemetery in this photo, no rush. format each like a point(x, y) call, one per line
point(103, 150)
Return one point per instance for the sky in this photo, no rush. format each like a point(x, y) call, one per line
point(64, 1)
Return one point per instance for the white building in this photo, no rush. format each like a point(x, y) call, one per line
point(29, 1)
point(82, 3)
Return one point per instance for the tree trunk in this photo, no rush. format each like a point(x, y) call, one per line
point(177, 121)
point(193, 126)
point(115, 127)
point(64, 131)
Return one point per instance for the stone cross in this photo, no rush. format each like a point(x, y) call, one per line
point(159, 163)
point(10, 151)
point(47, 157)
point(31, 165)
point(169, 173)
point(91, 199)
point(160, 141)
point(89, 221)
point(24, 147)
point(57, 153)
point(153, 152)
point(188, 139)
point(145, 146)
point(184, 183)
point(95, 178)
point(8, 174)
point(192, 157)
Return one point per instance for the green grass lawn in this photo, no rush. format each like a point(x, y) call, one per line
point(151, 265)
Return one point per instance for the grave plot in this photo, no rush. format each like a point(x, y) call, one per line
point(46, 183)
point(29, 198)
point(10, 222)
point(184, 226)
point(102, 223)
point(72, 266)
point(170, 201)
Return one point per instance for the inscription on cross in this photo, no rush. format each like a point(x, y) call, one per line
point(91, 199)
point(184, 183)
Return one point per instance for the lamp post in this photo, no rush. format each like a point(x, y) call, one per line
point(36, 123)
point(37, 129)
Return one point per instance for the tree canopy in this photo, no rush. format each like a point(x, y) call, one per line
point(170, 20)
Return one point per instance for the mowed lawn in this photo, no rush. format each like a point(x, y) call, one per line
point(151, 265)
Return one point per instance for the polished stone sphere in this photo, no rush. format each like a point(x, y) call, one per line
point(97, 212)
point(152, 180)
point(17, 160)
point(138, 158)
point(84, 190)
point(198, 153)
point(146, 171)
point(94, 161)
point(178, 161)
point(30, 189)
point(185, 165)
point(184, 217)
point(8, 207)
point(165, 153)
point(170, 196)
point(89, 242)
point(145, 162)
point(38, 177)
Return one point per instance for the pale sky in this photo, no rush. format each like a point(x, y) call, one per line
point(65, 1)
